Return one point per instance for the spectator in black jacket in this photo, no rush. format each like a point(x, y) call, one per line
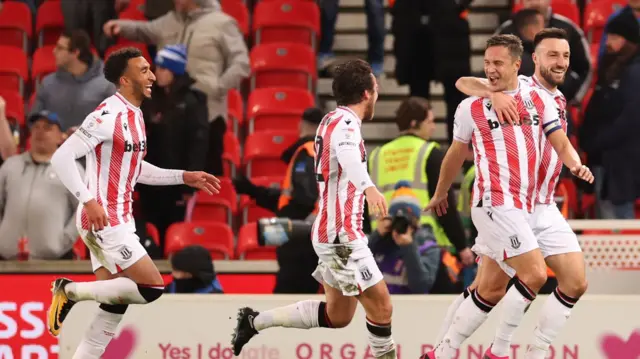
point(579, 75)
point(177, 128)
point(528, 22)
point(612, 122)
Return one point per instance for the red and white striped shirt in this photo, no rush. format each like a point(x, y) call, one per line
point(114, 141)
point(550, 163)
point(506, 157)
point(341, 172)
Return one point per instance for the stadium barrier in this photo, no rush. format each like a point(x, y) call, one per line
point(200, 327)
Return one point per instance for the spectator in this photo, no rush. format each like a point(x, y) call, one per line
point(579, 74)
point(432, 43)
point(177, 128)
point(612, 122)
point(296, 200)
point(633, 7)
point(90, 16)
point(411, 156)
point(528, 22)
point(375, 33)
point(407, 253)
point(216, 53)
point(153, 9)
point(33, 201)
point(78, 86)
point(8, 146)
point(193, 272)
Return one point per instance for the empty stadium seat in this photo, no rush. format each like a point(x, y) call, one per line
point(567, 9)
point(14, 71)
point(237, 10)
point(248, 247)
point(49, 23)
point(262, 151)
point(217, 238)
point(231, 155)
point(139, 45)
point(44, 63)
point(152, 231)
point(15, 25)
point(80, 249)
point(596, 15)
point(283, 65)
point(218, 207)
point(249, 210)
point(235, 109)
point(277, 108)
point(14, 105)
point(286, 21)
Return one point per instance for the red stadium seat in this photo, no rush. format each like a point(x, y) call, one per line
point(231, 155)
point(248, 246)
point(277, 108)
point(44, 63)
point(596, 15)
point(79, 249)
point(235, 109)
point(248, 208)
point(14, 106)
point(14, 71)
point(214, 208)
point(139, 45)
point(286, 21)
point(262, 151)
point(152, 231)
point(15, 25)
point(49, 23)
point(237, 10)
point(568, 10)
point(217, 238)
point(283, 65)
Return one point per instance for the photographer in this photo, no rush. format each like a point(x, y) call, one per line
point(408, 254)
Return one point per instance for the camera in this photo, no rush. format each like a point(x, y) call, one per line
point(400, 223)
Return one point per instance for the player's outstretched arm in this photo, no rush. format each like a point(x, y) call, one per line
point(156, 176)
point(568, 155)
point(451, 166)
point(505, 106)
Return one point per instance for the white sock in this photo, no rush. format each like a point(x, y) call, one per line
point(515, 303)
point(553, 316)
point(473, 311)
point(98, 335)
point(451, 311)
point(113, 291)
point(380, 340)
point(303, 315)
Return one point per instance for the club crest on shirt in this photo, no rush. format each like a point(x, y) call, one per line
point(528, 104)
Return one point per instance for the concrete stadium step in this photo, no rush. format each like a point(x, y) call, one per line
point(385, 110)
point(357, 22)
point(358, 42)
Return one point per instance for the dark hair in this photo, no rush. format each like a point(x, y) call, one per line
point(116, 64)
point(511, 42)
point(350, 80)
point(526, 17)
point(413, 108)
point(79, 40)
point(549, 33)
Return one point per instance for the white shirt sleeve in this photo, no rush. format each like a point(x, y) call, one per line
point(463, 123)
point(551, 115)
point(156, 176)
point(346, 139)
point(93, 131)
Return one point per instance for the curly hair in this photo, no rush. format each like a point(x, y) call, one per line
point(116, 64)
point(350, 80)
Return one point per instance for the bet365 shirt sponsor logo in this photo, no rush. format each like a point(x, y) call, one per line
point(524, 121)
point(140, 146)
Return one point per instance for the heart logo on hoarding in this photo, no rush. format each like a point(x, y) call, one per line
point(614, 347)
point(121, 347)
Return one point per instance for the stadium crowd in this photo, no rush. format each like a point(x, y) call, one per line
point(235, 80)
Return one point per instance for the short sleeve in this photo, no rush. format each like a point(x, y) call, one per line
point(346, 136)
point(463, 123)
point(96, 128)
point(551, 114)
point(525, 80)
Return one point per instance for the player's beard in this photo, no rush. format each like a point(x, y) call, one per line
point(141, 91)
point(548, 76)
point(368, 113)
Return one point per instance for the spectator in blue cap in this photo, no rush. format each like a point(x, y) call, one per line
point(177, 126)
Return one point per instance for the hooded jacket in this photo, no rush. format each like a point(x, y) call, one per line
point(73, 97)
point(217, 56)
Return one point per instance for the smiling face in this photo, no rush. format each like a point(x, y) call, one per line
point(500, 67)
point(552, 60)
point(139, 76)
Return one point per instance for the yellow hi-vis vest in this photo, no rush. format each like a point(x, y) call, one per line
point(405, 159)
point(464, 197)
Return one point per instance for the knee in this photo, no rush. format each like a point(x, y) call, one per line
point(150, 294)
point(575, 288)
point(535, 277)
point(382, 311)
